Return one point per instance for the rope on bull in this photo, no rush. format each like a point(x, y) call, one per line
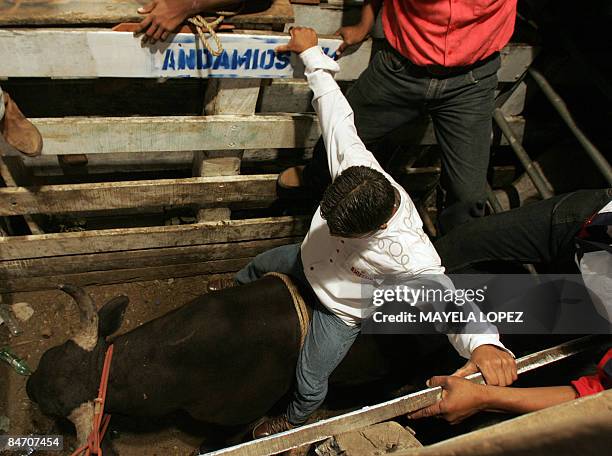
point(300, 306)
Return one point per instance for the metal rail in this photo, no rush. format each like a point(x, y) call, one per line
point(533, 173)
point(387, 410)
point(560, 106)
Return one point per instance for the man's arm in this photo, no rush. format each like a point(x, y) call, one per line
point(461, 398)
point(161, 17)
point(355, 34)
point(343, 145)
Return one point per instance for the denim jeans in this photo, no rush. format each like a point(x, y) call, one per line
point(539, 233)
point(327, 342)
point(392, 92)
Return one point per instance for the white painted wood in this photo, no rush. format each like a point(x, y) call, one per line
point(76, 53)
point(138, 135)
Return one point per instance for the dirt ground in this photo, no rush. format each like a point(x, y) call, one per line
point(55, 316)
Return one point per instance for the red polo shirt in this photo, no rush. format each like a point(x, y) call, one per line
point(448, 32)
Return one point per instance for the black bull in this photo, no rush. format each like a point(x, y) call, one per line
point(225, 358)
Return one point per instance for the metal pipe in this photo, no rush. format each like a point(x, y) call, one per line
point(533, 173)
point(366, 416)
point(560, 106)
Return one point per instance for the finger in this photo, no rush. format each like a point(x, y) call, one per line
point(514, 370)
point(341, 48)
point(432, 410)
point(147, 8)
point(509, 371)
point(468, 369)
point(282, 48)
point(438, 380)
point(164, 35)
point(143, 25)
point(158, 34)
point(489, 374)
point(151, 30)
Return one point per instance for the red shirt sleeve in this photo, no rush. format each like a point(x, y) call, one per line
point(593, 384)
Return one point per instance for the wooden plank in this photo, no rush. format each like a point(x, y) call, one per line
point(74, 264)
point(386, 410)
point(53, 199)
point(102, 53)
point(224, 96)
point(119, 239)
point(94, 135)
point(102, 135)
point(14, 173)
point(123, 275)
point(61, 12)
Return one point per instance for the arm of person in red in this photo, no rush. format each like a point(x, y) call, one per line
point(461, 398)
point(161, 17)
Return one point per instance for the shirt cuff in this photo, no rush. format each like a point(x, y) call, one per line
point(315, 59)
point(487, 339)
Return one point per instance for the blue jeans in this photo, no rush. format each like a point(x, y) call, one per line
point(327, 342)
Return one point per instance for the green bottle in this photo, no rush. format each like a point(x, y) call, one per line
point(18, 364)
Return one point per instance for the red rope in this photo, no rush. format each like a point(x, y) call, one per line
point(101, 420)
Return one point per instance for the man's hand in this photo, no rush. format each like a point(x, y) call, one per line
point(352, 35)
point(460, 399)
point(162, 17)
point(302, 38)
point(497, 366)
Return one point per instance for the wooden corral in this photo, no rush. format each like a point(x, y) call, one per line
point(215, 167)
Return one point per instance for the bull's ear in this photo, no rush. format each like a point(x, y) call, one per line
point(110, 316)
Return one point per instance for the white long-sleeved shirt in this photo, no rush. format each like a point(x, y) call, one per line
point(340, 269)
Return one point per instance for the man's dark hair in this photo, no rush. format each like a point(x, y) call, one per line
point(358, 202)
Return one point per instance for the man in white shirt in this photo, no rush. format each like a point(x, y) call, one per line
point(366, 229)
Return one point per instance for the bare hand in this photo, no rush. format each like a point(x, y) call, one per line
point(161, 18)
point(351, 35)
point(497, 366)
point(460, 399)
point(302, 38)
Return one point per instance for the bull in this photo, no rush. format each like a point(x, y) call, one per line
point(225, 358)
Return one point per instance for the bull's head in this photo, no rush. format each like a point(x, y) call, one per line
point(66, 380)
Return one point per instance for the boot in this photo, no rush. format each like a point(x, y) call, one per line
point(291, 178)
point(271, 426)
point(18, 131)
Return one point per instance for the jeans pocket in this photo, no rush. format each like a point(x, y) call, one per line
point(391, 61)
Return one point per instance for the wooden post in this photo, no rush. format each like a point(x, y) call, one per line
point(15, 174)
point(224, 96)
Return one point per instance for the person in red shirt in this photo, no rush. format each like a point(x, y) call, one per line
point(440, 58)
point(461, 398)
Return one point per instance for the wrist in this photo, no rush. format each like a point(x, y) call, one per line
point(487, 397)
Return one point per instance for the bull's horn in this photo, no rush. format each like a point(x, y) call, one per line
point(87, 335)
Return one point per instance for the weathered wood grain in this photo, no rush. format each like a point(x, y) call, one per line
point(120, 239)
point(132, 259)
point(103, 135)
point(92, 135)
point(65, 12)
point(122, 275)
point(53, 199)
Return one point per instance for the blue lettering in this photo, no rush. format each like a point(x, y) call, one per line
point(243, 60)
point(169, 60)
point(222, 61)
point(187, 60)
point(284, 58)
point(256, 59)
point(262, 61)
point(204, 59)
